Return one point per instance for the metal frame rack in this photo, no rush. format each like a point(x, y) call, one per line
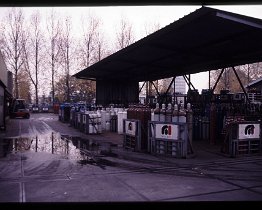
point(132, 134)
point(168, 138)
point(243, 138)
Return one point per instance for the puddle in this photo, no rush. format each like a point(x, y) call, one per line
point(102, 163)
point(84, 151)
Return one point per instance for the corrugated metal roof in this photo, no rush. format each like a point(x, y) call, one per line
point(207, 39)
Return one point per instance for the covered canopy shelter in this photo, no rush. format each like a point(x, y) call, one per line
point(207, 39)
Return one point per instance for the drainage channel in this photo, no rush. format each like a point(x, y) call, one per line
point(84, 151)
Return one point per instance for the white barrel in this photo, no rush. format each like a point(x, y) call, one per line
point(125, 114)
point(99, 125)
point(95, 128)
point(95, 118)
point(120, 122)
point(107, 116)
point(107, 126)
point(91, 129)
point(103, 119)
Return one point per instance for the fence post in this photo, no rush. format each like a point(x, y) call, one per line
point(52, 143)
point(36, 143)
point(15, 143)
point(67, 146)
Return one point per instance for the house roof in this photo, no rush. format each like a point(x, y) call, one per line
point(206, 39)
point(256, 82)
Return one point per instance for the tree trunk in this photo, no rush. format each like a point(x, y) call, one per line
point(16, 86)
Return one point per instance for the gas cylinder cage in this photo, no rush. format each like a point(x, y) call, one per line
point(168, 138)
point(244, 138)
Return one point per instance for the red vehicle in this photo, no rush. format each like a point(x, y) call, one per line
point(19, 109)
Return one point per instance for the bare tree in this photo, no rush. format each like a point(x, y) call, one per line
point(101, 49)
point(84, 90)
point(32, 45)
point(12, 43)
point(24, 86)
point(60, 86)
point(125, 35)
point(151, 28)
point(88, 43)
point(252, 71)
point(66, 53)
point(54, 32)
point(228, 80)
point(92, 48)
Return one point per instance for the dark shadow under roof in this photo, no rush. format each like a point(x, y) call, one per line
point(207, 39)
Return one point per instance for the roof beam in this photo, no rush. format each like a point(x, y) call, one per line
point(239, 20)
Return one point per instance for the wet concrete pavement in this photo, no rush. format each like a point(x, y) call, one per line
point(72, 175)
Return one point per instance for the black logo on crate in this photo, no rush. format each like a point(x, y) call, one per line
point(130, 126)
point(249, 130)
point(166, 130)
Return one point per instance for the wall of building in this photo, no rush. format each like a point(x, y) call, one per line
point(180, 85)
point(2, 115)
point(9, 82)
point(3, 84)
point(116, 92)
point(3, 70)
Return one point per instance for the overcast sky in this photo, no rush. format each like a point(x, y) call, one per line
point(139, 16)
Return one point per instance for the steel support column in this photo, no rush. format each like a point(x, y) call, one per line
point(174, 92)
point(241, 84)
point(209, 82)
point(217, 81)
point(188, 82)
point(142, 87)
point(155, 88)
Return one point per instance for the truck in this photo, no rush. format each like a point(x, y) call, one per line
point(19, 109)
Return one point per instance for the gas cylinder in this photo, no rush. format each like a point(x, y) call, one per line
point(91, 129)
point(152, 115)
point(189, 120)
point(163, 113)
point(182, 114)
point(157, 113)
point(169, 113)
point(175, 114)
